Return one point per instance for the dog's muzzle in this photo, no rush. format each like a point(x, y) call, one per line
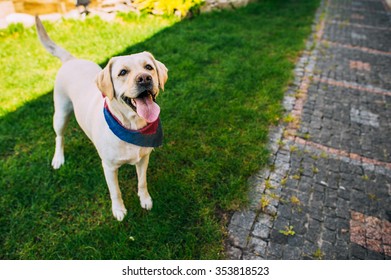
point(144, 104)
point(131, 101)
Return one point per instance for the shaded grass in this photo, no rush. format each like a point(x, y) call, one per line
point(227, 74)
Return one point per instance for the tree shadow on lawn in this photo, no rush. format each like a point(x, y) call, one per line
point(227, 74)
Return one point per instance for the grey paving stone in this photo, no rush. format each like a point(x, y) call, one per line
point(291, 253)
point(358, 252)
point(244, 219)
point(329, 235)
point(265, 220)
point(277, 237)
point(234, 253)
point(274, 250)
point(296, 241)
point(327, 251)
point(238, 236)
point(284, 211)
point(257, 246)
point(261, 231)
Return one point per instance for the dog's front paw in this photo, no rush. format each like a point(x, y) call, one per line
point(119, 213)
point(57, 161)
point(146, 202)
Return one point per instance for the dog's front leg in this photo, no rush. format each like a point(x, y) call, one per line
point(111, 175)
point(145, 198)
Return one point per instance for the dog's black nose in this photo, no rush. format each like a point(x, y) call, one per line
point(143, 79)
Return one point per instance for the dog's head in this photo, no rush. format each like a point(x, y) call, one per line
point(135, 81)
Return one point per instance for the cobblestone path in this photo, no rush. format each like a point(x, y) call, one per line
point(326, 194)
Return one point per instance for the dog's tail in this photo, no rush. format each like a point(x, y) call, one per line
point(49, 45)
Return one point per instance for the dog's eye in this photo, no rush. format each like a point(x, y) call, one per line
point(123, 72)
point(148, 67)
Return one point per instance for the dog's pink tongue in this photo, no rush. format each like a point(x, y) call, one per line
point(147, 109)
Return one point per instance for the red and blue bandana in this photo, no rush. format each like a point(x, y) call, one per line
point(148, 136)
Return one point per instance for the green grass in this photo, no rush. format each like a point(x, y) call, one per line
point(227, 74)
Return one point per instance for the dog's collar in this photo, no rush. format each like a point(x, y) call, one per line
point(148, 136)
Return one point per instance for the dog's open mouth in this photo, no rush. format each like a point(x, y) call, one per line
point(144, 105)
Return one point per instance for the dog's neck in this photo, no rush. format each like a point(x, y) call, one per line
point(148, 135)
point(126, 115)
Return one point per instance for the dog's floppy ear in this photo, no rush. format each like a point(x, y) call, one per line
point(104, 81)
point(161, 71)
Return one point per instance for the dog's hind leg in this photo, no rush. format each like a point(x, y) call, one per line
point(62, 111)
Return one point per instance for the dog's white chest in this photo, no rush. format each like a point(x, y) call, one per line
point(130, 154)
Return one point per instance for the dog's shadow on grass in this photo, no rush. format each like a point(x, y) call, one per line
point(227, 72)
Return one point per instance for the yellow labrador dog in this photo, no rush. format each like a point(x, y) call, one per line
point(115, 107)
